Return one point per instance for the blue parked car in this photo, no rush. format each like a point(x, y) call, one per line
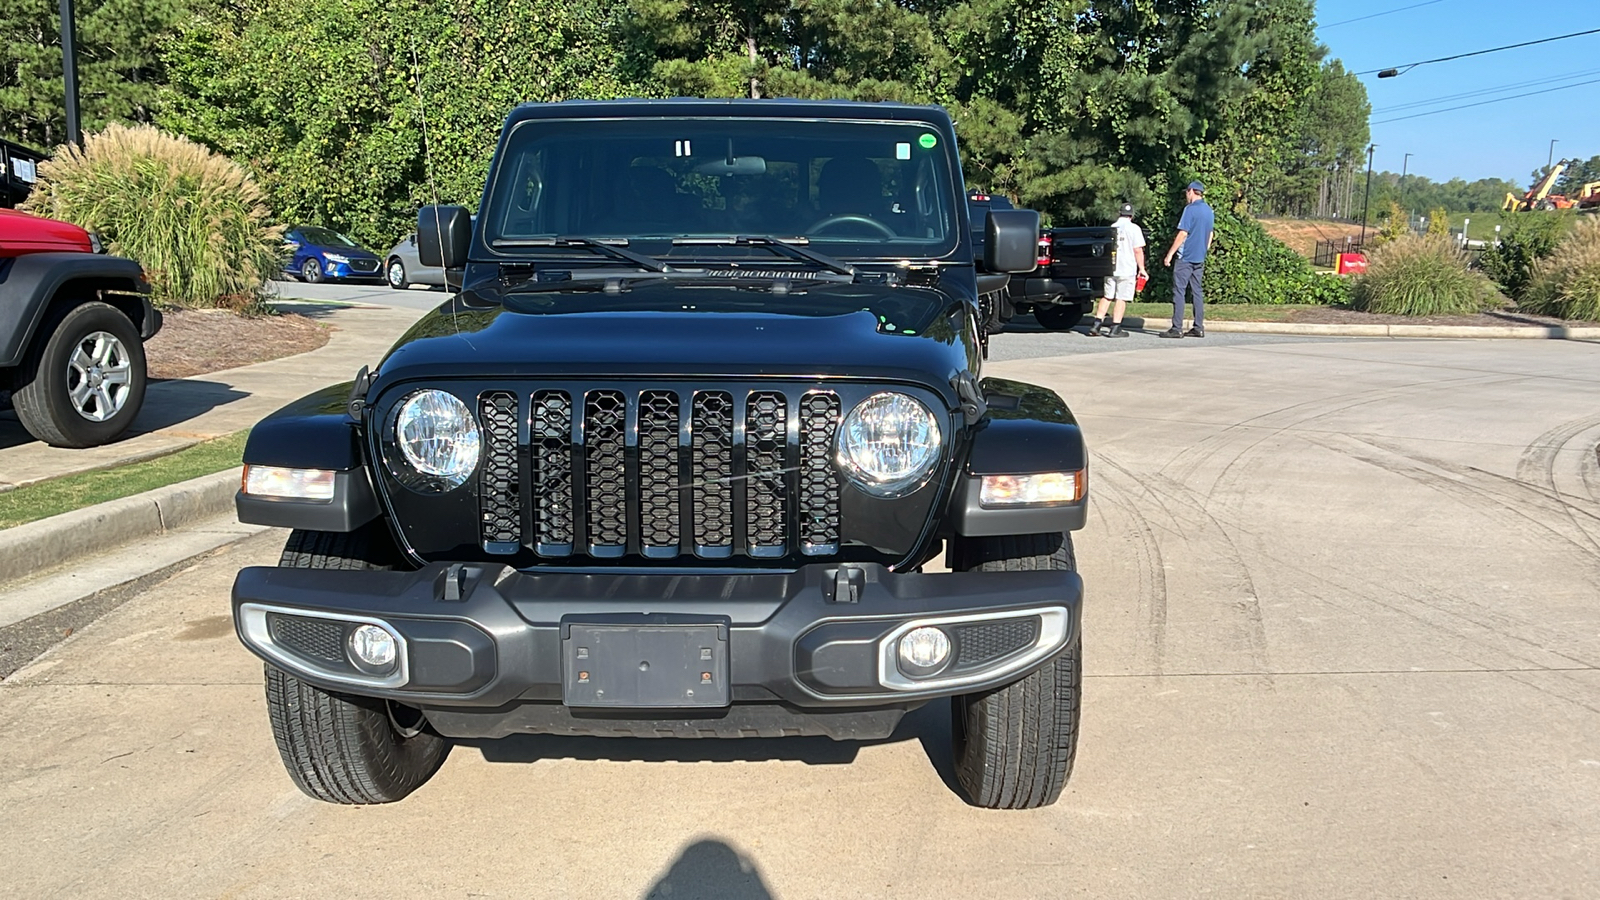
point(320, 254)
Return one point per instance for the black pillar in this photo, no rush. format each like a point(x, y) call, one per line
point(1368, 201)
point(69, 72)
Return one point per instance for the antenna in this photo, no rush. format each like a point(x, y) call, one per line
point(433, 186)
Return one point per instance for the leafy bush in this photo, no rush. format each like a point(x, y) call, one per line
point(1567, 283)
point(1525, 239)
point(1396, 225)
point(1422, 276)
point(1247, 265)
point(1439, 221)
point(193, 219)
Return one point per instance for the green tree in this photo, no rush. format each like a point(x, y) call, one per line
point(119, 66)
point(353, 114)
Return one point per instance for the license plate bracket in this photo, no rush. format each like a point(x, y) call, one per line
point(645, 662)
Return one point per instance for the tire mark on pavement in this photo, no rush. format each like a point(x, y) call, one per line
point(1147, 553)
point(1538, 465)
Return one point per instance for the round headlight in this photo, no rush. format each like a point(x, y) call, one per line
point(438, 436)
point(889, 443)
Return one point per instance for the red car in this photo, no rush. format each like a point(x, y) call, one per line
point(73, 322)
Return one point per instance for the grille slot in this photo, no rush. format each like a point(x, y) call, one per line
point(711, 470)
point(819, 481)
point(660, 473)
point(659, 425)
point(981, 643)
point(499, 490)
point(766, 491)
point(317, 639)
point(604, 434)
point(551, 452)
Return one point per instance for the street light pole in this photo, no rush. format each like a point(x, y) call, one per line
point(1367, 203)
point(69, 72)
point(1404, 163)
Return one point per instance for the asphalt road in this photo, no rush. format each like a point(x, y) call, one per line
point(1341, 640)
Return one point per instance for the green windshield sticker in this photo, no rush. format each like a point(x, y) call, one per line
point(927, 141)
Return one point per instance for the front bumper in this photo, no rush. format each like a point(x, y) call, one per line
point(351, 272)
point(489, 639)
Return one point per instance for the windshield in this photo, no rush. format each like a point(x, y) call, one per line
point(322, 237)
point(849, 189)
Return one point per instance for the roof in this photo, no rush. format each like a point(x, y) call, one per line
point(696, 107)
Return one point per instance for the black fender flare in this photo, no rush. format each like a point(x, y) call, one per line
point(314, 432)
point(29, 284)
point(1027, 430)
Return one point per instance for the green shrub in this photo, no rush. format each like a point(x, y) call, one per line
point(1396, 225)
point(1247, 265)
point(196, 221)
point(1525, 238)
point(1422, 276)
point(1439, 221)
point(1567, 283)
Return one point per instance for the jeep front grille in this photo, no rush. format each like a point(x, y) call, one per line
point(661, 473)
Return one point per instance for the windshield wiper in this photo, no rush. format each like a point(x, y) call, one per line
point(778, 245)
point(605, 248)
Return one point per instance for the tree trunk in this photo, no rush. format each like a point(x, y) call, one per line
point(755, 84)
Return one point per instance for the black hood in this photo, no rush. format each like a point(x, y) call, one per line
point(693, 328)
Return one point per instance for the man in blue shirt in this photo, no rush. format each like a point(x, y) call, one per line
point(1190, 246)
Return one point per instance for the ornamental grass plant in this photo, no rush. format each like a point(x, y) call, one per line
point(196, 221)
point(1424, 275)
point(1566, 284)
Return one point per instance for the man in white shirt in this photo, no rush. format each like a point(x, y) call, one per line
point(1124, 279)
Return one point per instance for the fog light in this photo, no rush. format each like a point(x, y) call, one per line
point(923, 651)
point(297, 484)
point(373, 646)
point(1046, 489)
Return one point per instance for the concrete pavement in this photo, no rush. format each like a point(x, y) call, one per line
point(1341, 640)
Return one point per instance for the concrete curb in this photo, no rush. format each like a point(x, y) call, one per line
point(1525, 332)
point(37, 546)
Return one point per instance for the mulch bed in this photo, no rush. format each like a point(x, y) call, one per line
point(196, 342)
point(1328, 316)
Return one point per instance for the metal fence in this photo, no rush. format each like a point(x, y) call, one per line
point(1327, 251)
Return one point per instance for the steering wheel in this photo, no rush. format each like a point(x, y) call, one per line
point(829, 222)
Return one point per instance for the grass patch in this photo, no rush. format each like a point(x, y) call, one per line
point(58, 495)
point(1226, 312)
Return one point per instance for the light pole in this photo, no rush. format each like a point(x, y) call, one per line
point(69, 72)
point(1366, 203)
point(1552, 160)
point(1404, 163)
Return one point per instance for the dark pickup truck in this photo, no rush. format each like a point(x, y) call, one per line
point(1073, 266)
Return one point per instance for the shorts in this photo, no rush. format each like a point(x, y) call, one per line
point(1119, 288)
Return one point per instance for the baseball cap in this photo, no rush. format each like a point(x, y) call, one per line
point(1126, 210)
point(1197, 187)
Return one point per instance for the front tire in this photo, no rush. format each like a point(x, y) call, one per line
point(1014, 745)
point(338, 747)
point(84, 384)
point(311, 272)
point(1062, 317)
point(396, 273)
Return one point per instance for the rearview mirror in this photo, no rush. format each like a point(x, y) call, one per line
point(1011, 241)
point(739, 165)
point(444, 236)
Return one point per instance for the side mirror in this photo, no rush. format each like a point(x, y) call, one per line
point(1011, 241)
point(444, 235)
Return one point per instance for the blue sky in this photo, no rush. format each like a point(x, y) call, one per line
point(1497, 140)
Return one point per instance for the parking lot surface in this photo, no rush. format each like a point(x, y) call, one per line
point(1341, 635)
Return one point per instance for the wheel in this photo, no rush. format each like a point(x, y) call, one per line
point(1061, 317)
point(84, 383)
point(339, 747)
point(311, 271)
point(1014, 745)
point(397, 275)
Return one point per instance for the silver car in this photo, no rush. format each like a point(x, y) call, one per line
point(403, 267)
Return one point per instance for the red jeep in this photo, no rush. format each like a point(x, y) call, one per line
point(72, 326)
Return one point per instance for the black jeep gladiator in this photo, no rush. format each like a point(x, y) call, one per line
point(673, 464)
point(1072, 268)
